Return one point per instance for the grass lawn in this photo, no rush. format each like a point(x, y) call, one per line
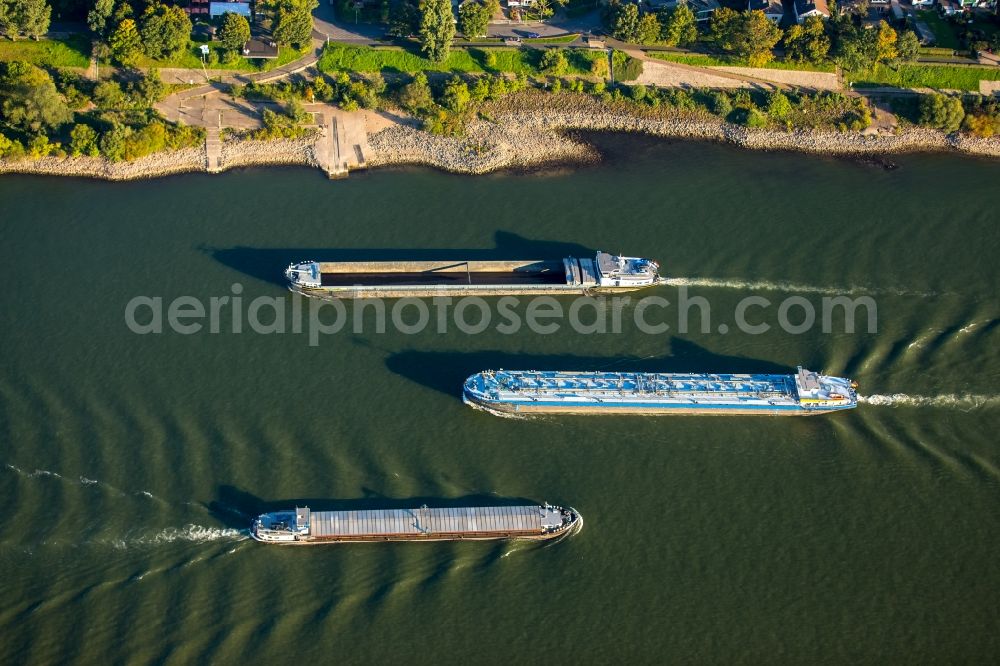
point(943, 30)
point(926, 76)
point(191, 59)
point(342, 57)
point(559, 39)
point(702, 60)
point(71, 52)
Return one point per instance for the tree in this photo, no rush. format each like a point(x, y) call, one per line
point(31, 102)
point(908, 46)
point(33, 17)
point(404, 19)
point(83, 141)
point(942, 112)
point(97, 17)
point(293, 22)
point(125, 43)
point(625, 21)
point(166, 30)
point(553, 62)
point(235, 31)
point(885, 44)
point(8, 28)
point(649, 29)
point(112, 142)
point(679, 26)
point(456, 94)
point(750, 35)
point(437, 28)
point(415, 96)
point(778, 105)
point(474, 17)
point(807, 42)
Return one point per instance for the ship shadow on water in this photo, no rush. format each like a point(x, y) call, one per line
point(268, 264)
point(235, 508)
point(447, 371)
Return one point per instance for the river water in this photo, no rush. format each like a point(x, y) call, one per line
point(131, 464)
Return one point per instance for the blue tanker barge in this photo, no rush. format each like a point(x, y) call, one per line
point(529, 391)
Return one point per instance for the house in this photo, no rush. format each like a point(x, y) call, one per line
point(219, 8)
point(520, 3)
point(897, 12)
point(950, 7)
point(197, 8)
point(773, 9)
point(922, 3)
point(806, 8)
point(260, 47)
point(702, 9)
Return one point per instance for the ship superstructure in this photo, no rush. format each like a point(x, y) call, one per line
point(520, 391)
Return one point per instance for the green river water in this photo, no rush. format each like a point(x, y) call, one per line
point(131, 465)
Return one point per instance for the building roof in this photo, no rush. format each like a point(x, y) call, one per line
point(260, 46)
point(803, 7)
point(220, 8)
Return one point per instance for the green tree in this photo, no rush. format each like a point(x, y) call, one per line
point(908, 46)
point(455, 96)
point(404, 19)
point(112, 142)
point(415, 96)
point(24, 17)
point(30, 101)
point(437, 28)
point(942, 112)
point(649, 29)
point(97, 17)
point(625, 21)
point(125, 43)
point(679, 26)
point(235, 31)
point(778, 105)
point(150, 89)
point(8, 20)
point(553, 62)
point(109, 96)
point(750, 35)
point(474, 17)
point(83, 141)
point(807, 42)
point(293, 22)
point(166, 30)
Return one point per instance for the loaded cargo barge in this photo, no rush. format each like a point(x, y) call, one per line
point(301, 526)
point(530, 392)
point(398, 279)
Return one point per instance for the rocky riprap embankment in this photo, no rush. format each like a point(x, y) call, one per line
point(527, 130)
point(243, 153)
point(160, 164)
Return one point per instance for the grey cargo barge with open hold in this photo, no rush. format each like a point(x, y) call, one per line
point(399, 279)
point(301, 526)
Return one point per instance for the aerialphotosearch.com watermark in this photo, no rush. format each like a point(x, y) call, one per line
point(544, 315)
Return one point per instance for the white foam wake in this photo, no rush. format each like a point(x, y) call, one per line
point(495, 412)
point(188, 533)
point(949, 400)
point(790, 287)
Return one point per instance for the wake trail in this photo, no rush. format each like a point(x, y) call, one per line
point(792, 287)
point(964, 402)
point(186, 534)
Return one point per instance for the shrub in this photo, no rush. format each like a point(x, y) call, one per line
point(721, 104)
point(83, 141)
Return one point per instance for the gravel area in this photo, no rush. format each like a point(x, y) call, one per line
point(792, 77)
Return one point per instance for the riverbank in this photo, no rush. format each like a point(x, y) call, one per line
point(527, 130)
point(530, 130)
